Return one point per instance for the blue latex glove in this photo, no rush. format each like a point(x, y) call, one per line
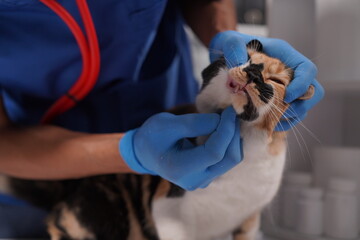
point(232, 45)
point(160, 147)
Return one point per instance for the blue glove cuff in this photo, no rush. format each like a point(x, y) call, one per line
point(126, 148)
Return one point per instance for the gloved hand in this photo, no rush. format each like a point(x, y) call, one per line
point(160, 147)
point(232, 45)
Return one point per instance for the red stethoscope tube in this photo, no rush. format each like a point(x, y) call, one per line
point(90, 53)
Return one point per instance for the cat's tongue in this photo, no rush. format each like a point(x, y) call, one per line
point(234, 86)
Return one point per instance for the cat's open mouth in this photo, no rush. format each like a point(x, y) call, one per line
point(236, 87)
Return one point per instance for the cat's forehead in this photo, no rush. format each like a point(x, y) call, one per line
point(257, 57)
point(271, 65)
point(261, 58)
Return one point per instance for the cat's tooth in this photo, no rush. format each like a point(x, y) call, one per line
point(237, 88)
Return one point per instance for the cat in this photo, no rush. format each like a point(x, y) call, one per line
point(135, 207)
point(233, 202)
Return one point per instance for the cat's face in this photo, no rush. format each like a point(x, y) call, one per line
point(258, 87)
point(255, 89)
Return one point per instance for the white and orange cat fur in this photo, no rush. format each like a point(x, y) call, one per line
point(233, 202)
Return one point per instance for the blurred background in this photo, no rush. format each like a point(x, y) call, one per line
point(319, 197)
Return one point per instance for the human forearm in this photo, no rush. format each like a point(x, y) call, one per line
point(50, 152)
point(208, 17)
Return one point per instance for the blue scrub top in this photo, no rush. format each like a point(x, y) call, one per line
point(145, 63)
point(145, 67)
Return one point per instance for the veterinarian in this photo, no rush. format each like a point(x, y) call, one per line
point(145, 69)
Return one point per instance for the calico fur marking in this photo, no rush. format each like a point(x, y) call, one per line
point(67, 225)
point(254, 75)
point(250, 113)
point(212, 70)
point(255, 45)
point(109, 207)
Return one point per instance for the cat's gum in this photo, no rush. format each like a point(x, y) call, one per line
point(235, 87)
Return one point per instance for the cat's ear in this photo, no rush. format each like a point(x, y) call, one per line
point(255, 45)
point(309, 93)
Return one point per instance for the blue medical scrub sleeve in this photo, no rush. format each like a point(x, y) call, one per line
point(145, 69)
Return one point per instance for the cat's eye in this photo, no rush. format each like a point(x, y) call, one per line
point(277, 81)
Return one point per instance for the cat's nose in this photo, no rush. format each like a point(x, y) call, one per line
point(253, 77)
point(233, 85)
point(238, 75)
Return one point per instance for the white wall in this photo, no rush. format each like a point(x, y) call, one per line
point(293, 21)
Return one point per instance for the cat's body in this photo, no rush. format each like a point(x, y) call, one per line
point(233, 201)
point(226, 203)
point(134, 207)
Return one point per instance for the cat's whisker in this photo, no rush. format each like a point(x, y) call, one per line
point(321, 55)
point(218, 52)
point(234, 52)
point(271, 107)
point(221, 53)
point(306, 146)
point(230, 63)
point(297, 134)
point(273, 115)
point(276, 108)
point(300, 123)
point(274, 118)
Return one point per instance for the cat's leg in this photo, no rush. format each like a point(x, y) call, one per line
point(168, 220)
point(248, 229)
point(172, 229)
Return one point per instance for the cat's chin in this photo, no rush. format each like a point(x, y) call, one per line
point(238, 102)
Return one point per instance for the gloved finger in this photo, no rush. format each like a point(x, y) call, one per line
point(285, 125)
point(216, 47)
point(305, 70)
point(233, 156)
point(193, 125)
point(282, 50)
point(215, 55)
point(231, 45)
point(194, 180)
point(184, 144)
point(300, 107)
point(206, 183)
point(305, 74)
point(215, 147)
point(219, 141)
point(279, 49)
point(247, 38)
point(235, 52)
